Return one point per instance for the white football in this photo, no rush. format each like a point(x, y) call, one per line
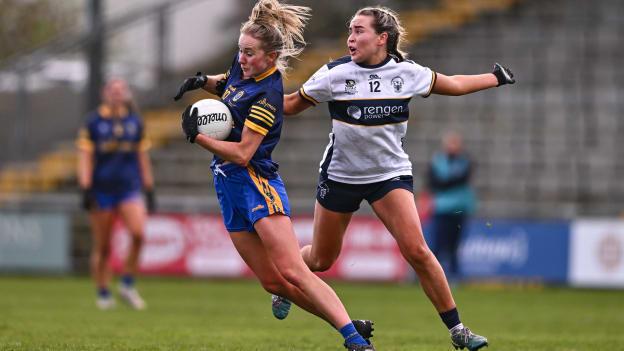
point(214, 118)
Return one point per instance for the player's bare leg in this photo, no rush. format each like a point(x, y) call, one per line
point(281, 245)
point(397, 210)
point(253, 252)
point(329, 230)
point(133, 214)
point(101, 225)
point(323, 251)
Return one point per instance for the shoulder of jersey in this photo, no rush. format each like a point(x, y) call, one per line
point(405, 61)
point(273, 83)
point(92, 117)
point(338, 62)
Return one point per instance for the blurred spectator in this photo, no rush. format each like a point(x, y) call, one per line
point(453, 199)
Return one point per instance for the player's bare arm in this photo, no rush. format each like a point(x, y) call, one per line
point(237, 152)
point(466, 84)
point(295, 104)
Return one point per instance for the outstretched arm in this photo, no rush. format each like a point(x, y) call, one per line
point(466, 84)
point(294, 103)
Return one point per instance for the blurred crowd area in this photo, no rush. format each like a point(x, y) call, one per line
point(550, 147)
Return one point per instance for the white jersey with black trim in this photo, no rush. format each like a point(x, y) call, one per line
point(369, 110)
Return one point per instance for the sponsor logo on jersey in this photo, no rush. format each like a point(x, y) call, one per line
point(374, 77)
point(264, 103)
point(397, 84)
point(350, 87)
point(118, 130)
point(257, 208)
point(354, 112)
point(373, 112)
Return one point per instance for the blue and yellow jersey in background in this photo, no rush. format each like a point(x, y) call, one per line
point(257, 103)
point(115, 140)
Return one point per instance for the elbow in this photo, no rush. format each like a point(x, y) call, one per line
point(242, 160)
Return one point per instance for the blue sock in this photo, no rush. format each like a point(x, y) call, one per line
point(351, 335)
point(450, 318)
point(127, 280)
point(103, 292)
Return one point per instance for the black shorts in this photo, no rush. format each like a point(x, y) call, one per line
point(343, 197)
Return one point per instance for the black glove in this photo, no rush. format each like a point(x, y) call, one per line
point(189, 124)
point(192, 83)
point(503, 75)
point(87, 202)
point(150, 201)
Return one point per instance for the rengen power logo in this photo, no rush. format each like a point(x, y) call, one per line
point(374, 112)
point(354, 112)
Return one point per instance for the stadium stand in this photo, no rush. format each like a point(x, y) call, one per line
point(549, 147)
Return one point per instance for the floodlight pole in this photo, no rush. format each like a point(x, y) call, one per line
point(95, 53)
point(163, 64)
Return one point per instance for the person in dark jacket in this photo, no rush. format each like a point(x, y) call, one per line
point(453, 199)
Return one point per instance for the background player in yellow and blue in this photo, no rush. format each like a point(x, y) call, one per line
point(113, 169)
point(251, 194)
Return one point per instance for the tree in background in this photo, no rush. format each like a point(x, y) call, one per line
point(27, 24)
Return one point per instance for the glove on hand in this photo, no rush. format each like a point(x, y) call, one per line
point(503, 75)
point(192, 83)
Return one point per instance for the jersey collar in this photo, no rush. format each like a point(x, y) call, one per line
point(388, 58)
point(107, 112)
point(266, 73)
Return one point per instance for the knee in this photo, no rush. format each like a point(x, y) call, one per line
point(137, 239)
point(320, 264)
point(273, 287)
point(103, 251)
point(293, 276)
point(418, 253)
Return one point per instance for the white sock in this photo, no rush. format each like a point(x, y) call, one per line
point(460, 326)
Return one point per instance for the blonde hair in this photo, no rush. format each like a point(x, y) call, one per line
point(279, 27)
point(386, 20)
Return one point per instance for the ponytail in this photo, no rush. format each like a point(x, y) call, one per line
point(279, 27)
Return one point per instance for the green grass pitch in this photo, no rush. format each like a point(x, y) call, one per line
point(60, 314)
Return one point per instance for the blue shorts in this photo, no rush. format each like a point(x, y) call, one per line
point(245, 197)
point(345, 198)
point(110, 200)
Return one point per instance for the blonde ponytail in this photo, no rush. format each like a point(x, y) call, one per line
point(279, 27)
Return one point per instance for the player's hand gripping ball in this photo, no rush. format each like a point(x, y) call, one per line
point(208, 117)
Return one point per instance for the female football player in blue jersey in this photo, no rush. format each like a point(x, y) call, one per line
point(113, 168)
point(251, 194)
point(368, 93)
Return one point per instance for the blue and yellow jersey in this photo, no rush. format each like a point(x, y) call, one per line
point(257, 103)
point(114, 141)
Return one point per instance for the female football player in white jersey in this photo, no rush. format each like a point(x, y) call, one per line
point(251, 193)
point(368, 93)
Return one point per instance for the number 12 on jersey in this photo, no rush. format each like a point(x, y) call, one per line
point(374, 86)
